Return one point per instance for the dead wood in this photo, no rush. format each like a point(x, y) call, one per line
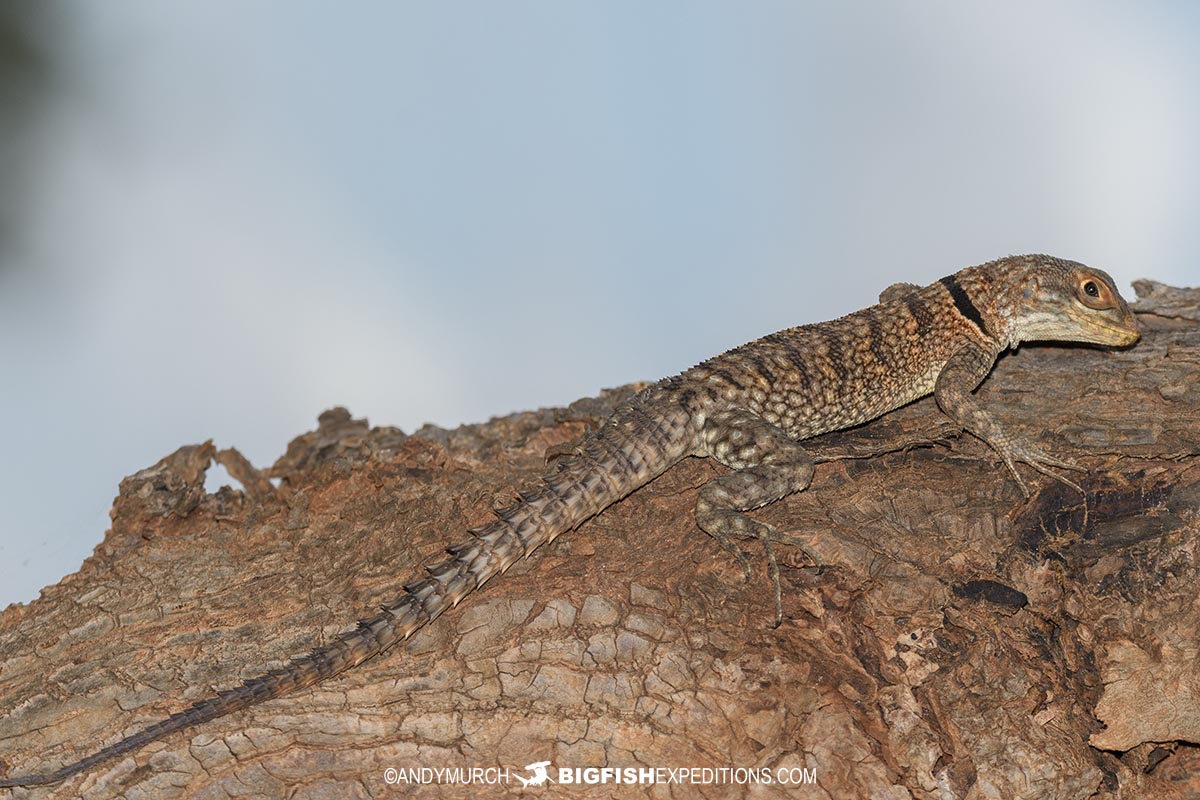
point(961, 642)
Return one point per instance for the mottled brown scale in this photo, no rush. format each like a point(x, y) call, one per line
point(748, 409)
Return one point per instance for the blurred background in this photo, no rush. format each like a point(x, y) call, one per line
point(219, 219)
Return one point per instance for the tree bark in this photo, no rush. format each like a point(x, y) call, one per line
point(960, 641)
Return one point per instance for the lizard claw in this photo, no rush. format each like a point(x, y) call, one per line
point(744, 560)
point(1042, 468)
point(796, 541)
point(1039, 460)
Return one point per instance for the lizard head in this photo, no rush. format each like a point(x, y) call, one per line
point(1065, 301)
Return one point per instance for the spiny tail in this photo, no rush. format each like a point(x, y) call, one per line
point(637, 443)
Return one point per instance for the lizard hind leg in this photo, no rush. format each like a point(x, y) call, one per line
point(768, 466)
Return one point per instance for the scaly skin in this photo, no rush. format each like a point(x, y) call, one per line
point(747, 408)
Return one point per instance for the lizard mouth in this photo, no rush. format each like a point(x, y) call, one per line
point(1106, 328)
point(1115, 335)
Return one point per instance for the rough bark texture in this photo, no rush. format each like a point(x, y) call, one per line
point(962, 643)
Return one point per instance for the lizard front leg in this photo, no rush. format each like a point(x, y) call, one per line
point(769, 466)
point(963, 372)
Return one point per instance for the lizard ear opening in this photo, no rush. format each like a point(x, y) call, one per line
point(1094, 292)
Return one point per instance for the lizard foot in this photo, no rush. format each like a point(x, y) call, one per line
point(726, 525)
point(1039, 460)
point(767, 534)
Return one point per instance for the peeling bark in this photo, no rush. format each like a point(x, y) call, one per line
point(962, 642)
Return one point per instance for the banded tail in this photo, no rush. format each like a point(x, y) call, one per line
point(639, 442)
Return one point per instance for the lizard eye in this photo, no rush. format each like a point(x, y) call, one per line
point(1095, 293)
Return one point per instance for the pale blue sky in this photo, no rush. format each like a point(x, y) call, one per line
point(248, 213)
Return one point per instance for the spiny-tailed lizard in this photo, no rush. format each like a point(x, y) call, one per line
point(749, 409)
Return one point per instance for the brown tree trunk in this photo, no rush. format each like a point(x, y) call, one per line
point(961, 642)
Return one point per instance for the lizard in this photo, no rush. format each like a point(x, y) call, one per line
point(749, 409)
